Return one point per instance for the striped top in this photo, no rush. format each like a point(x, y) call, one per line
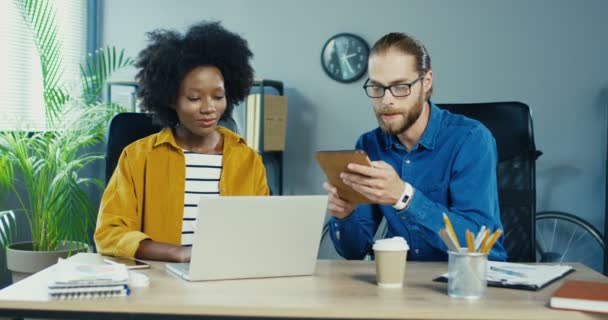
point(203, 172)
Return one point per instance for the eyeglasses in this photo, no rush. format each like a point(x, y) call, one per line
point(397, 90)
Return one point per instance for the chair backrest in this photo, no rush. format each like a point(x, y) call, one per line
point(511, 125)
point(127, 127)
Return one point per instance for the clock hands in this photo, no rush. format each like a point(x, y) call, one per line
point(345, 60)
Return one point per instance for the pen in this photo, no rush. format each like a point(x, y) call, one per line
point(482, 237)
point(479, 236)
point(509, 272)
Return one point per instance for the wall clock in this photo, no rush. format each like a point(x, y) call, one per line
point(344, 57)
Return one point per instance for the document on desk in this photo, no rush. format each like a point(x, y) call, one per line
point(521, 276)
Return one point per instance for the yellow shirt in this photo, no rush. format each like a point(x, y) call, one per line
point(144, 199)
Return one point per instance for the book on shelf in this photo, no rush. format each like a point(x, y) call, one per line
point(86, 281)
point(270, 130)
point(251, 122)
point(581, 295)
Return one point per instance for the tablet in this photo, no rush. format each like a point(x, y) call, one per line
point(334, 162)
point(129, 262)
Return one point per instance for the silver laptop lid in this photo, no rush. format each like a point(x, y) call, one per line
point(252, 237)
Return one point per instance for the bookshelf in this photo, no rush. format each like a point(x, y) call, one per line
point(266, 109)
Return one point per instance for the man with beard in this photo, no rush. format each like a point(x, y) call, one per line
point(425, 162)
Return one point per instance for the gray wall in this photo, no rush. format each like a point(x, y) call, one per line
point(548, 54)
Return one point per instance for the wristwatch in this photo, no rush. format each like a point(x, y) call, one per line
point(405, 198)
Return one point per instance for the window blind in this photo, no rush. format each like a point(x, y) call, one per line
point(21, 97)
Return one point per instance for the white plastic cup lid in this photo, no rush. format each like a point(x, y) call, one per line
point(391, 244)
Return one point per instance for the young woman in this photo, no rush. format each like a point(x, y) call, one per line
point(188, 82)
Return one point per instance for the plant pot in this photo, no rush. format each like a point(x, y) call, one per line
point(22, 261)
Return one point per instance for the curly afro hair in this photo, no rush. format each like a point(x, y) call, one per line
point(171, 56)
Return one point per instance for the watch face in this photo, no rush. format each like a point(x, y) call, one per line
point(344, 57)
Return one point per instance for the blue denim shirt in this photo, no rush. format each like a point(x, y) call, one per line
point(452, 169)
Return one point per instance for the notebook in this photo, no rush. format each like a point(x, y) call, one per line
point(254, 237)
point(521, 276)
point(84, 281)
point(581, 295)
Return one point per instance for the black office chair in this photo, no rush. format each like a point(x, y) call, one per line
point(127, 127)
point(124, 129)
point(511, 125)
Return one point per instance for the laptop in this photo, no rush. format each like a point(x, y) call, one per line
point(254, 237)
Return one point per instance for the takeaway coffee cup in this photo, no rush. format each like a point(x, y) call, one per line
point(390, 255)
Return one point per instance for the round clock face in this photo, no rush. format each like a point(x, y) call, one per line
point(344, 57)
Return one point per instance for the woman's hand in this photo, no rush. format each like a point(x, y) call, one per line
point(152, 250)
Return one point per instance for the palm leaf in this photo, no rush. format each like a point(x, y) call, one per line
point(97, 69)
point(40, 17)
point(7, 227)
point(47, 165)
point(6, 172)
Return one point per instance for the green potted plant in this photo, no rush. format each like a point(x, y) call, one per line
point(43, 170)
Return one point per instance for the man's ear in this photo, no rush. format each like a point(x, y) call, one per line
point(427, 81)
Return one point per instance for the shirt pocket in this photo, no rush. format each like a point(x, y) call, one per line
point(437, 192)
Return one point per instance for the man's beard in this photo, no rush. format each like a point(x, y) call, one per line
point(396, 128)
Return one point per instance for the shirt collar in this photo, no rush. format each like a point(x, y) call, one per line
point(429, 136)
point(166, 136)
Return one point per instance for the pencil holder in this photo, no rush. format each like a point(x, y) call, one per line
point(467, 274)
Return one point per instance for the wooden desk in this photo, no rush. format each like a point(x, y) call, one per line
point(339, 289)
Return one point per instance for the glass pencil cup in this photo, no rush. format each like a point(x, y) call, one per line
point(467, 273)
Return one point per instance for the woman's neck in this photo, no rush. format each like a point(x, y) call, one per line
point(211, 143)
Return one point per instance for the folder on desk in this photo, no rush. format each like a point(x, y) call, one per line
point(521, 276)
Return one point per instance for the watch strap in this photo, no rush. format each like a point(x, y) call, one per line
point(405, 198)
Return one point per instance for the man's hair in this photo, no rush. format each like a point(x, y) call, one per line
point(170, 56)
point(408, 45)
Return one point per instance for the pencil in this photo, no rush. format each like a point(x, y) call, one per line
point(443, 234)
point(470, 245)
point(448, 242)
point(450, 229)
point(488, 246)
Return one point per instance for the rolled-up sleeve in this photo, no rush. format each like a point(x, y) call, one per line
point(119, 220)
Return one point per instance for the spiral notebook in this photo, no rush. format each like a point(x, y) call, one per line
point(85, 281)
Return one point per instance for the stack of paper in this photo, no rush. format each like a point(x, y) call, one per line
point(526, 276)
point(84, 281)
